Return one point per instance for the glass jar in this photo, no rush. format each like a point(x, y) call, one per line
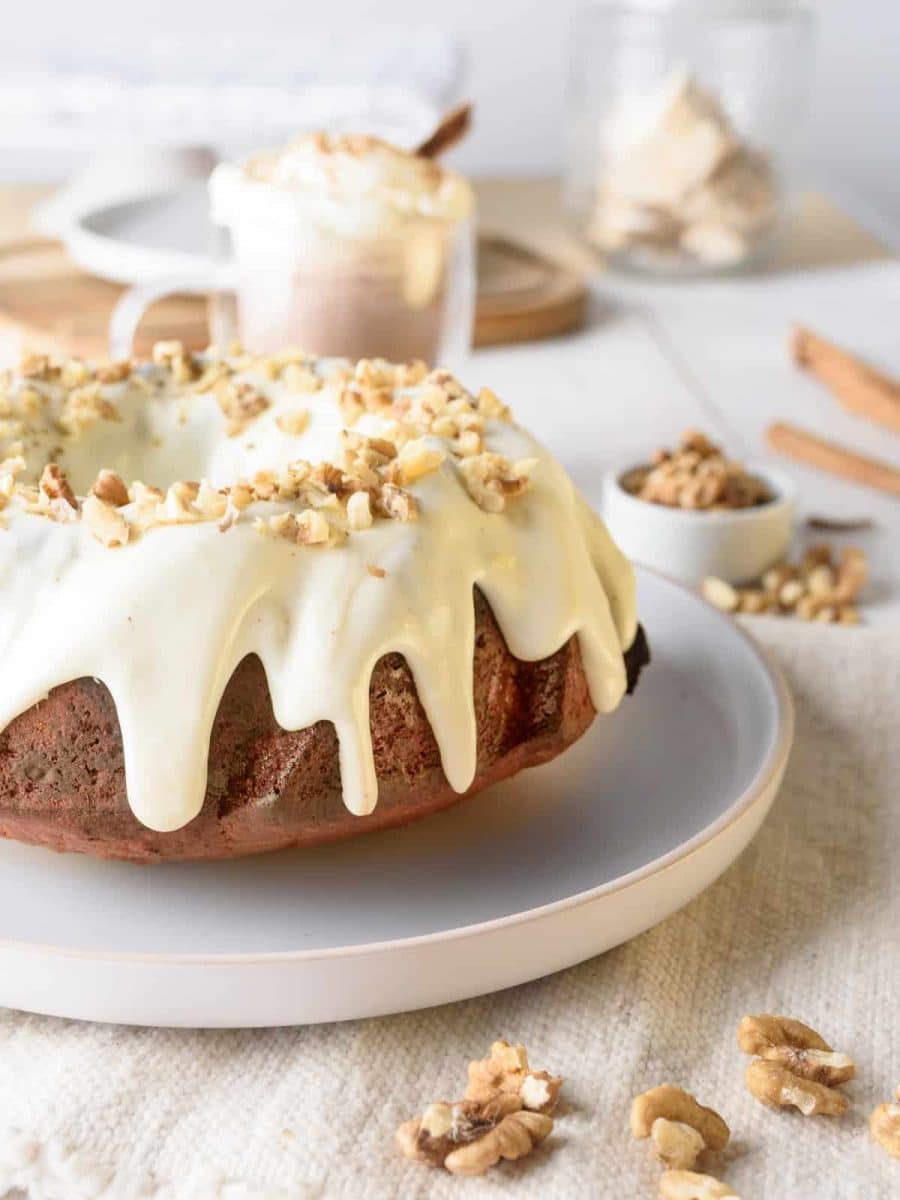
point(684, 129)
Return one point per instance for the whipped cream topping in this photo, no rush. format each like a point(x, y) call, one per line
point(341, 184)
point(164, 620)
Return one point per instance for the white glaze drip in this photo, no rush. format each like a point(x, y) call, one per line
point(164, 621)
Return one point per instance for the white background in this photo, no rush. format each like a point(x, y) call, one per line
point(517, 59)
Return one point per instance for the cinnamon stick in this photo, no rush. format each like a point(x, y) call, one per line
point(859, 387)
point(829, 456)
point(453, 128)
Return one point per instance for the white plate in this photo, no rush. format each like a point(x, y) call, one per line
point(539, 873)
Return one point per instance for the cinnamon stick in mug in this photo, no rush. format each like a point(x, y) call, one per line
point(859, 387)
point(829, 456)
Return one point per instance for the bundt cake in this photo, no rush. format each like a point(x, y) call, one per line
point(345, 597)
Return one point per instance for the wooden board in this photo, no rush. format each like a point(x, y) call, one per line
point(47, 303)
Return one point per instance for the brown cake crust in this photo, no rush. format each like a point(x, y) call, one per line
point(62, 778)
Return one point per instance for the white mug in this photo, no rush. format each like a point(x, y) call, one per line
point(278, 278)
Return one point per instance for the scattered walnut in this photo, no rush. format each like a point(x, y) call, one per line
point(720, 594)
point(676, 1144)
point(675, 1104)
point(884, 1125)
point(773, 1084)
point(795, 1046)
point(506, 1070)
point(491, 479)
point(504, 1114)
point(110, 488)
point(818, 588)
point(469, 1137)
point(689, 1185)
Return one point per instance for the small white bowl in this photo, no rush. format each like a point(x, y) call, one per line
point(689, 544)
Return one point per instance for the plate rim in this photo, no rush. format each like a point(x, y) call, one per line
point(770, 769)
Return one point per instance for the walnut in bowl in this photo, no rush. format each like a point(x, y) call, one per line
point(692, 512)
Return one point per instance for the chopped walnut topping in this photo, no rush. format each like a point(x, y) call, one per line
point(370, 479)
point(695, 475)
point(393, 502)
point(75, 373)
point(307, 528)
point(775, 1085)
point(820, 587)
point(359, 512)
point(300, 378)
point(240, 402)
point(105, 522)
point(490, 405)
point(491, 479)
point(884, 1125)
point(293, 423)
point(110, 488)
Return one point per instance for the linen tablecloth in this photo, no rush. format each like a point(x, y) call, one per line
point(806, 923)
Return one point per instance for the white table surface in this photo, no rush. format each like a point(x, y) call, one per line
point(658, 357)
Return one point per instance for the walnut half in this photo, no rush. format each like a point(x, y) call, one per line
point(468, 1138)
point(676, 1105)
point(775, 1085)
point(506, 1070)
point(796, 1067)
point(797, 1047)
point(884, 1125)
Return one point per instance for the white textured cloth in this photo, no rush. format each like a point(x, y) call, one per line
point(805, 923)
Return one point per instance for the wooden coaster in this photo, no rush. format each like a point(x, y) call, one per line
point(523, 296)
point(47, 303)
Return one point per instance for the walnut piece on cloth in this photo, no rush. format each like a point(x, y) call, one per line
point(804, 922)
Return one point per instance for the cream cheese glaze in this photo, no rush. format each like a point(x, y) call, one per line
point(164, 620)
